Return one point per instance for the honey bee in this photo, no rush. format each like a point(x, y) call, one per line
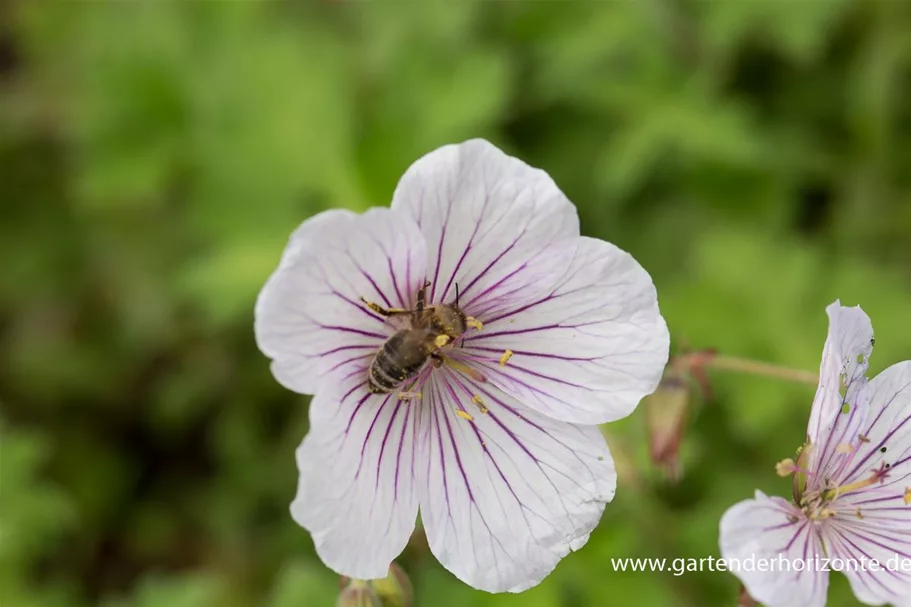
point(406, 352)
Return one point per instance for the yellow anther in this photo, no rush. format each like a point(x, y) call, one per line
point(827, 513)
point(464, 414)
point(506, 356)
point(474, 323)
point(479, 402)
point(907, 496)
point(844, 448)
point(409, 395)
point(441, 340)
point(785, 467)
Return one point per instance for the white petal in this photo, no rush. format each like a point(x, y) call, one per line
point(772, 529)
point(508, 494)
point(839, 408)
point(588, 350)
point(356, 493)
point(486, 215)
point(884, 535)
point(887, 436)
point(309, 317)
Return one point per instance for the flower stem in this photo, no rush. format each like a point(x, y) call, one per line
point(708, 359)
point(743, 365)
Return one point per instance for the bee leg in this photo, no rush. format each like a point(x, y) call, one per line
point(383, 311)
point(422, 293)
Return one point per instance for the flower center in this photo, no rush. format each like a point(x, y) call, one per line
point(819, 503)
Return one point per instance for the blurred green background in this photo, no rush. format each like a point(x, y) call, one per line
point(754, 155)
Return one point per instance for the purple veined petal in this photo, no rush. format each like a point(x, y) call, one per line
point(487, 218)
point(771, 528)
point(886, 539)
point(587, 351)
point(356, 493)
point(839, 408)
point(507, 494)
point(886, 436)
point(310, 319)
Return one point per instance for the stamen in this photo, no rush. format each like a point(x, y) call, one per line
point(469, 371)
point(474, 323)
point(862, 438)
point(859, 515)
point(877, 476)
point(802, 472)
point(479, 403)
point(907, 496)
point(409, 395)
point(785, 467)
point(464, 414)
point(506, 356)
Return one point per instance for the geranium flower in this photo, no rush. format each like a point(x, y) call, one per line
point(461, 345)
point(852, 501)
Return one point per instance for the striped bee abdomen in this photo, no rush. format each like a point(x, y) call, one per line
point(400, 358)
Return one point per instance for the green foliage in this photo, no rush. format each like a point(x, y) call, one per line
point(154, 157)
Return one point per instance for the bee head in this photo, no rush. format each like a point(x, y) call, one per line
point(449, 320)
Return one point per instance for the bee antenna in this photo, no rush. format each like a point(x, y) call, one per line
point(457, 295)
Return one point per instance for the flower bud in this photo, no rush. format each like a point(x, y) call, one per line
point(745, 600)
point(395, 589)
point(666, 416)
point(359, 594)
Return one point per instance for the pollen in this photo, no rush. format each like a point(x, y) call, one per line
point(464, 414)
point(506, 356)
point(441, 340)
point(409, 395)
point(844, 448)
point(474, 323)
point(907, 496)
point(479, 403)
point(859, 514)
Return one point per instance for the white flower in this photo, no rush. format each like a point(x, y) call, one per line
point(852, 501)
point(538, 335)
